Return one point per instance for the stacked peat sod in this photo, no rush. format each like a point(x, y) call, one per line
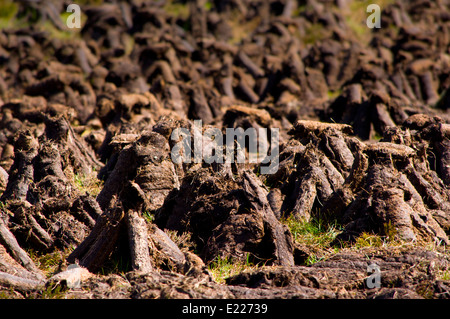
point(107, 101)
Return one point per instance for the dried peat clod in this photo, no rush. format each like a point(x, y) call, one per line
point(138, 238)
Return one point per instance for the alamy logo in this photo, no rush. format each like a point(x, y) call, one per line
point(74, 20)
point(374, 280)
point(374, 20)
point(74, 281)
point(211, 146)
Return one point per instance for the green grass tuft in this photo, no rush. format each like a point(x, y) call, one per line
point(88, 183)
point(222, 268)
point(176, 9)
point(315, 233)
